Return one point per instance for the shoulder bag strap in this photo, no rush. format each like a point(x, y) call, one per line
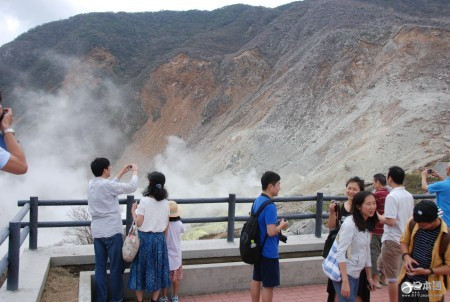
point(338, 220)
point(132, 229)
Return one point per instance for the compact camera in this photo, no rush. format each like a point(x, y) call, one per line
point(2, 115)
point(282, 237)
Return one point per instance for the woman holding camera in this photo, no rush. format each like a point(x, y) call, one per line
point(337, 216)
point(149, 270)
point(353, 250)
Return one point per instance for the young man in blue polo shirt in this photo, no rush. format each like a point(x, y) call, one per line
point(267, 270)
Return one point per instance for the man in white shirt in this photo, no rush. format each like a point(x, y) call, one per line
point(12, 157)
point(398, 209)
point(107, 227)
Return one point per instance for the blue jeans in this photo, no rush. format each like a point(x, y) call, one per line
point(353, 282)
point(110, 247)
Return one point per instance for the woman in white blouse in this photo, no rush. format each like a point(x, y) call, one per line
point(353, 251)
point(149, 270)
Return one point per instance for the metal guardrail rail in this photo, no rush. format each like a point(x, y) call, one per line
point(18, 231)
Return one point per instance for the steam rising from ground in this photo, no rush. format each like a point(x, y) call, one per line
point(62, 132)
point(187, 177)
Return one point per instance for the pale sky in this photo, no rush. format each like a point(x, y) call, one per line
point(18, 16)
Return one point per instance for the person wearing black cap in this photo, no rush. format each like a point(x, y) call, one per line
point(426, 256)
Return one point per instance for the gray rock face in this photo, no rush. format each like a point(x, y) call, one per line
point(304, 227)
point(355, 88)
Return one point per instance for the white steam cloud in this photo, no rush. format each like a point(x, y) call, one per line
point(62, 132)
point(187, 176)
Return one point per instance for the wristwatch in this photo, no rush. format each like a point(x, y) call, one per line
point(8, 130)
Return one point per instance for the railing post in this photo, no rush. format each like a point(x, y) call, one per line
point(33, 223)
point(13, 255)
point(319, 209)
point(130, 201)
point(231, 217)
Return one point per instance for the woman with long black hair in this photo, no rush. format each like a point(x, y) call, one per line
point(337, 216)
point(149, 270)
point(353, 246)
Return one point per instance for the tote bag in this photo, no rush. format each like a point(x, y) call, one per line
point(330, 265)
point(131, 244)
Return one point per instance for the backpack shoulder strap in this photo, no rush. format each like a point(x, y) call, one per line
point(443, 245)
point(261, 208)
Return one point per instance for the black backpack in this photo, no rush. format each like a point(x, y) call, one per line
point(249, 246)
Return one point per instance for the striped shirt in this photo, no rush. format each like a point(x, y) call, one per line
point(422, 250)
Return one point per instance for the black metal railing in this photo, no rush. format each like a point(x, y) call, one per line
point(17, 231)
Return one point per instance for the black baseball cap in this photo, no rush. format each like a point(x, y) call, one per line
point(425, 211)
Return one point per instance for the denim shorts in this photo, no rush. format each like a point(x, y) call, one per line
point(267, 271)
point(353, 289)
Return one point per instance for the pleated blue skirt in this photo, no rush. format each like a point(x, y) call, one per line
point(149, 270)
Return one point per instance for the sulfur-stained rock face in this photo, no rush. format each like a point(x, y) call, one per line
point(317, 119)
point(188, 95)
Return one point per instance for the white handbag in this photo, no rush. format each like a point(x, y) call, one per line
point(131, 244)
point(330, 265)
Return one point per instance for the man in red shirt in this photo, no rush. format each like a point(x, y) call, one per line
point(379, 184)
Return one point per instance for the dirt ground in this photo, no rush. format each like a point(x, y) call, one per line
point(62, 283)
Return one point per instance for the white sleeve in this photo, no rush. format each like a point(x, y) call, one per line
point(345, 238)
point(140, 210)
point(390, 207)
point(4, 157)
point(118, 188)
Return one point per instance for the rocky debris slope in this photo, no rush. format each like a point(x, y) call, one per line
point(318, 90)
point(329, 90)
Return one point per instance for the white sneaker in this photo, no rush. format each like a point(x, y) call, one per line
point(163, 299)
point(174, 299)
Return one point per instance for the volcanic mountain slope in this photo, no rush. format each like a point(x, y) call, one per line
point(328, 90)
point(316, 90)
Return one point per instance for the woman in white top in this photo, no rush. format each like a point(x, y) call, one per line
point(353, 251)
point(149, 270)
